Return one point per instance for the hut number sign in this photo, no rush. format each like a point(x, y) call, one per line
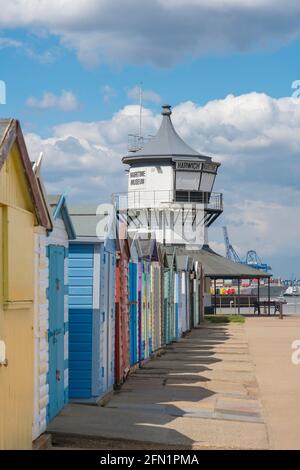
point(137, 178)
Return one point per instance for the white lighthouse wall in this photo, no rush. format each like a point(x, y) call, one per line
point(150, 186)
point(151, 189)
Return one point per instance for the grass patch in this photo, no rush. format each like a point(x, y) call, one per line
point(225, 318)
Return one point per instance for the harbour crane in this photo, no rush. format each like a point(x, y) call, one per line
point(254, 261)
point(230, 251)
point(252, 258)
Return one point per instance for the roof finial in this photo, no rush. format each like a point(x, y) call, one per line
point(166, 110)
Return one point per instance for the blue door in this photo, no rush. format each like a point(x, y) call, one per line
point(133, 327)
point(81, 292)
point(56, 330)
point(107, 328)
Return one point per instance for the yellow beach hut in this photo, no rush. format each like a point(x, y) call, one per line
point(21, 209)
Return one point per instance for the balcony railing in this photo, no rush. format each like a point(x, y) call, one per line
point(213, 202)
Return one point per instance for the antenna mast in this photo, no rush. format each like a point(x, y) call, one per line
point(141, 109)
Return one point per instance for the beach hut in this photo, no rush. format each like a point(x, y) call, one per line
point(92, 279)
point(122, 346)
point(170, 266)
point(148, 254)
point(41, 317)
point(184, 292)
point(21, 210)
point(51, 312)
point(191, 303)
point(177, 326)
point(134, 302)
point(57, 252)
point(200, 284)
point(156, 301)
point(197, 286)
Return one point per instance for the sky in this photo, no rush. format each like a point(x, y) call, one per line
point(229, 68)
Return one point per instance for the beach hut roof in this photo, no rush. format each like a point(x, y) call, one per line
point(37, 166)
point(147, 245)
point(169, 255)
point(59, 208)
point(122, 241)
point(184, 262)
point(135, 251)
point(11, 133)
point(91, 226)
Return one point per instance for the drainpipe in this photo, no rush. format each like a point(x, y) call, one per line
point(239, 293)
point(258, 294)
point(215, 289)
point(269, 296)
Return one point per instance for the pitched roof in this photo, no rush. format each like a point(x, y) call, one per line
point(147, 245)
point(217, 267)
point(10, 133)
point(184, 262)
point(4, 125)
point(57, 203)
point(168, 253)
point(86, 223)
point(36, 166)
point(135, 250)
point(166, 143)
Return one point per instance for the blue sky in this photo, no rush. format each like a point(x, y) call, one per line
point(199, 80)
point(71, 70)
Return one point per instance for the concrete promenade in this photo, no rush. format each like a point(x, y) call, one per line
point(270, 341)
point(201, 394)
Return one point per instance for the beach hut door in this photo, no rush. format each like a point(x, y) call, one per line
point(111, 321)
point(56, 330)
point(108, 323)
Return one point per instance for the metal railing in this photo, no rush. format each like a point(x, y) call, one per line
point(142, 199)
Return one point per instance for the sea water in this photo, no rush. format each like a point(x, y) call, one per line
point(292, 306)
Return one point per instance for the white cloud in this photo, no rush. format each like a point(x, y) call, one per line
point(66, 101)
point(256, 137)
point(85, 158)
point(44, 57)
point(9, 42)
point(147, 95)
point(160, 32)
point(270, 228)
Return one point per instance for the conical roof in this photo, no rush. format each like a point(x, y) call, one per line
point(166, 144)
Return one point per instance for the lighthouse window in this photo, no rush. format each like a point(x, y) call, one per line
point(188, 180)
point(207, 182)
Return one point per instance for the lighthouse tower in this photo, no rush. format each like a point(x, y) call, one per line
point(170, 188)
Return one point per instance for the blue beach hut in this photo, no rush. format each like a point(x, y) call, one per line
point(51, 248)
point(92, 276)
point(133, 301)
